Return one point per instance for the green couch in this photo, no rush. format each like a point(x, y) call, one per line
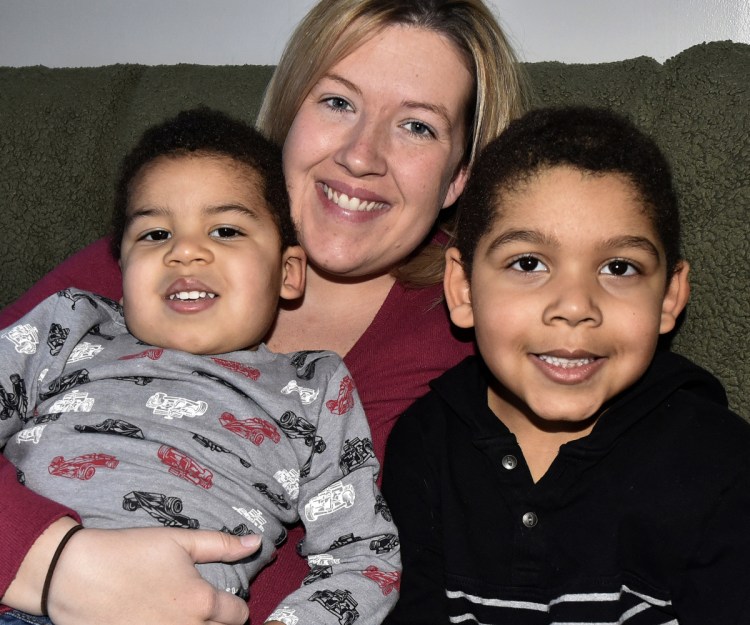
point(63, 132)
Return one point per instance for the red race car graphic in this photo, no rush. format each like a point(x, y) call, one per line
point(81, 467)
point(153, 353)
point(253, 429)
point(237, 367)
point(345, 400)
point(388, 582)
point(185, 467)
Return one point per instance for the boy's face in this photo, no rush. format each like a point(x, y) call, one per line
point(201, 259)
point(568, 296)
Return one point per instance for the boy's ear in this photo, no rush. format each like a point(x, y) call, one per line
point(293, 272)
point(456, 186)
point(457, 290)
point(676, 297)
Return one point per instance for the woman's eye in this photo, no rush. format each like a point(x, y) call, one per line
point(156, 235)
point(528, 264)
point(225, 232)
point(619, 268)
point(337, 103)
point(419, 128)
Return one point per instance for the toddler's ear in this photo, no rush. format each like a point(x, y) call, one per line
point(676, 297)
point(457, 290)
point(293, 272)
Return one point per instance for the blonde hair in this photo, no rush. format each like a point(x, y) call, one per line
point(334, 28)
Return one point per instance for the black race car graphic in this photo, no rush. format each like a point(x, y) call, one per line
point(167, 510)
point(274, 498)
point(355, 453)
point(65, 383)
point(209, 444)
point(384, 543)
point(295, 426)
point(14, 402)
point(340, 603)
point(56, 338)
point(113, 426)
point(306, 370)
point(381, 508)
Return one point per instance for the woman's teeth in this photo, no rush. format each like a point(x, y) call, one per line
point(191, 295)
point(566, 363)
point(351, 203)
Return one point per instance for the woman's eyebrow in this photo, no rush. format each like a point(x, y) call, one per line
point(436, 109)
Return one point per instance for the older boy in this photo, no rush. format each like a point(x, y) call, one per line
point(170, 411)
point(572, 474)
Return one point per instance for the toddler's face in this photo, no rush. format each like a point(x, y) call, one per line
point(201, 256)
point(568, 296)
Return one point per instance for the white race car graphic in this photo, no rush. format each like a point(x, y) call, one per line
point(33, 435)
point(75, 401)
point(284, 615)
point(333, 498)
point(306, 395)
point(84, 351)
point(175, 407)
point(24, 337)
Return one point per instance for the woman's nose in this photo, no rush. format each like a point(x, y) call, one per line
point(363, 150)
point(574, 300)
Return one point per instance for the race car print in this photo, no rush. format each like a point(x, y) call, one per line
point(355, 453)
point(15, 402)
point(75, 401)
point(185, 467)
point(254, 429)
point(274, 498)
point(340, 603)
point(25, 338)
point(384, 543)
point(32, 435)
point(388, 581)
point(167, 510)
point(213, 446)
point(381, 508)
point(306, 395)
point(175, 407)
point(336, 497)
point(304, 365)
point(345, 401)
point(81, 467)
point(84, 351)
point(56, 338)
point(249, 372)
point(153, 353)
point(284, 615)
point(113, 426)
point(346, 539)
point(65, 383)
point(295, 426)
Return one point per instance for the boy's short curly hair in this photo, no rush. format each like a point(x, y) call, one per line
point(589, 139)
point(206, 132)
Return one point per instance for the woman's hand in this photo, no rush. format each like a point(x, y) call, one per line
point(146, 575)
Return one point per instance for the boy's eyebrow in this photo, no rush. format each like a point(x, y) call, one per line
point(436, 109)
point(153, 211)
point(633, 241)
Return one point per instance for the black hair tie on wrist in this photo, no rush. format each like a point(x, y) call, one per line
point(53, 564)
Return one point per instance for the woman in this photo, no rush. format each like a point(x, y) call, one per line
point(381, 106)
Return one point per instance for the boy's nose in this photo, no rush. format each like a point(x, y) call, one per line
point(574, 302)
point(186, 250)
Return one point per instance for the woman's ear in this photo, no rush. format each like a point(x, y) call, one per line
point(457, 290)
point(675, 298)
point(456, 186)
point(293, 272)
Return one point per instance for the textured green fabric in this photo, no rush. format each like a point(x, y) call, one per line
point(63, 132)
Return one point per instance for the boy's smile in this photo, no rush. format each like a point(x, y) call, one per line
point(568, 296)
point(201, 257)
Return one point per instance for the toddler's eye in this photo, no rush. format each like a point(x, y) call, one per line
point(156, 235)
point(619, 268)
point(528, 264)
point(225, 232)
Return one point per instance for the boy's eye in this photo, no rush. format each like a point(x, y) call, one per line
point(619, 268)
point(225, 232)
point(419, 128)
point(156, 235)
point(528, 264)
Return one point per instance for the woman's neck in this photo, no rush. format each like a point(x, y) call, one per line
point(332, 314)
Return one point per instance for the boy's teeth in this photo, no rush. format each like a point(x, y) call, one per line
point(351, 203)
point(188, 295)
point(566, 363)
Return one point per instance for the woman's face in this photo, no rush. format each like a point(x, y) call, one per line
point(374, 151)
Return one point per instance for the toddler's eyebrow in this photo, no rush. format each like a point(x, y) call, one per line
point(526, 236)
point(155, 211)
point(637, 242)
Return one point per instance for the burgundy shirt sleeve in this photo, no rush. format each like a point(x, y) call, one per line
point(93, 269)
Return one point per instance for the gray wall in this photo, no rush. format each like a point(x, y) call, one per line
point(72, 33)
